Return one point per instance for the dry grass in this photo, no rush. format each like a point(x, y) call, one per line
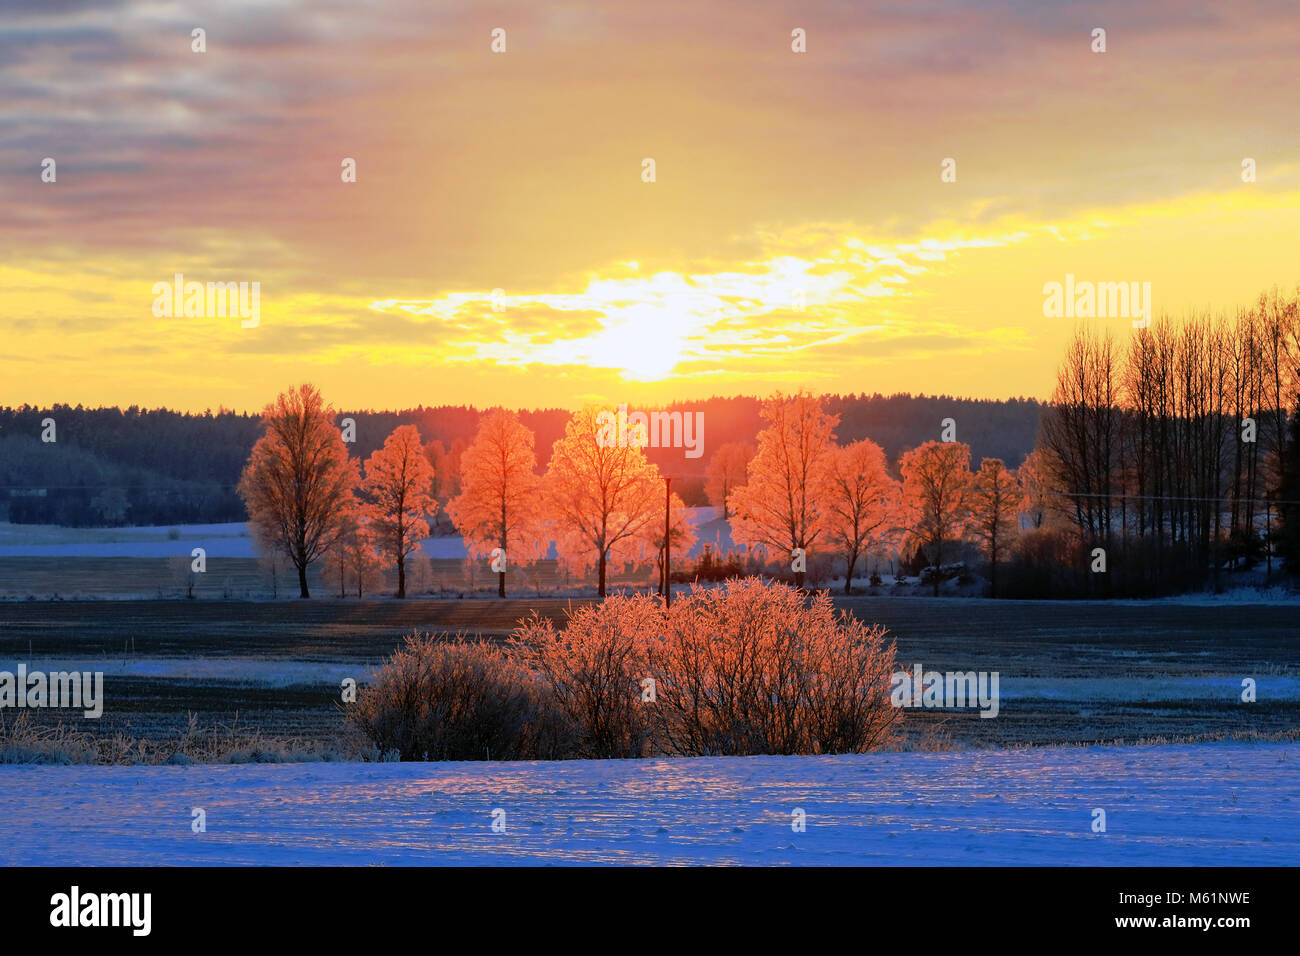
point(24, 742)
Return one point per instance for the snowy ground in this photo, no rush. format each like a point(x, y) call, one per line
point(232, 540)
point(1207, 804)
point(218, 540)
point(269, 672)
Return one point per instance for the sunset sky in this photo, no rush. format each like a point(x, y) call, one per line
point(778, 174)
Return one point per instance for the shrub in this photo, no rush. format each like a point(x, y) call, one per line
point(595, 667)
point(912, 567)
point(747, 668)
point(760, 668)
point(436, 700)
point(710, 568)
point(1037, 564)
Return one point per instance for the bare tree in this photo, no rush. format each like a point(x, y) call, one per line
point(936, 484)
point(995, 498)
point(298, 482)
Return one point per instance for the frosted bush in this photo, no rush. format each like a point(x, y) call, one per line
point(749, 668)
point(436, 700)
point(595, 666)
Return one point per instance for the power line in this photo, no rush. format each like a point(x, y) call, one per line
point(1124, 497)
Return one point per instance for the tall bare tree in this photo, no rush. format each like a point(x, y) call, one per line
point(1080, 433)
point(936, 487)
point(298, 482)
point(995, 499)
point(779, 506)
point(603, 497)
point(861, 503)
point(500, 502)
point(398, 492)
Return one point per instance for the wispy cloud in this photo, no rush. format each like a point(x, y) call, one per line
point(778, 175)
point(646, 326)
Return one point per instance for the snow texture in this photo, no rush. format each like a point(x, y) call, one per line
point(232, 540)
point(1205, 804)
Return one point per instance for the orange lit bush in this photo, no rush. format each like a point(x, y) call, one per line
point(595, 667)
point(751, 668)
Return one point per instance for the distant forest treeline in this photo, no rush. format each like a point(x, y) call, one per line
point(110, 466)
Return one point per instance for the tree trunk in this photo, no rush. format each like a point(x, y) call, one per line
point(601, 589)
point(302, 581)
point(848, 575)
point(401, 575)
point(505, 531)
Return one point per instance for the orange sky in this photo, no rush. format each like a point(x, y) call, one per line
point(781, 178)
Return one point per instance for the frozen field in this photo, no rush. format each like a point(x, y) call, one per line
point(218, 540)
point(1099, 673)
point(240, 671)
point(1206, 804)
point(231, 540)
point(48, 562)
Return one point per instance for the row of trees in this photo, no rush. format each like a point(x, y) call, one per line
point(1170, 451)
point(1159, 465)
point(802, 493)
point(308, 501)
point(1170, 455)
point(604, 503)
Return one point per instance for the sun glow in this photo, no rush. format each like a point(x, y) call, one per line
point(669, 324)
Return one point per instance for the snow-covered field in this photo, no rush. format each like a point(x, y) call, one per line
point(1206, 804)
point(218, 540)
point(263, 671)
point(231, 540)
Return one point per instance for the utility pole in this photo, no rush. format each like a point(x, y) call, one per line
point(668, 507)
point(1268, 541)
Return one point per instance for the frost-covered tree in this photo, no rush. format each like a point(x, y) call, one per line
point(936, 481)
point(500, 501)
point(298, 481)
point(861, 502)
point(601, 496)
point(398, 498)
point(780, 505)
point(726, 473)
point(995, 499)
